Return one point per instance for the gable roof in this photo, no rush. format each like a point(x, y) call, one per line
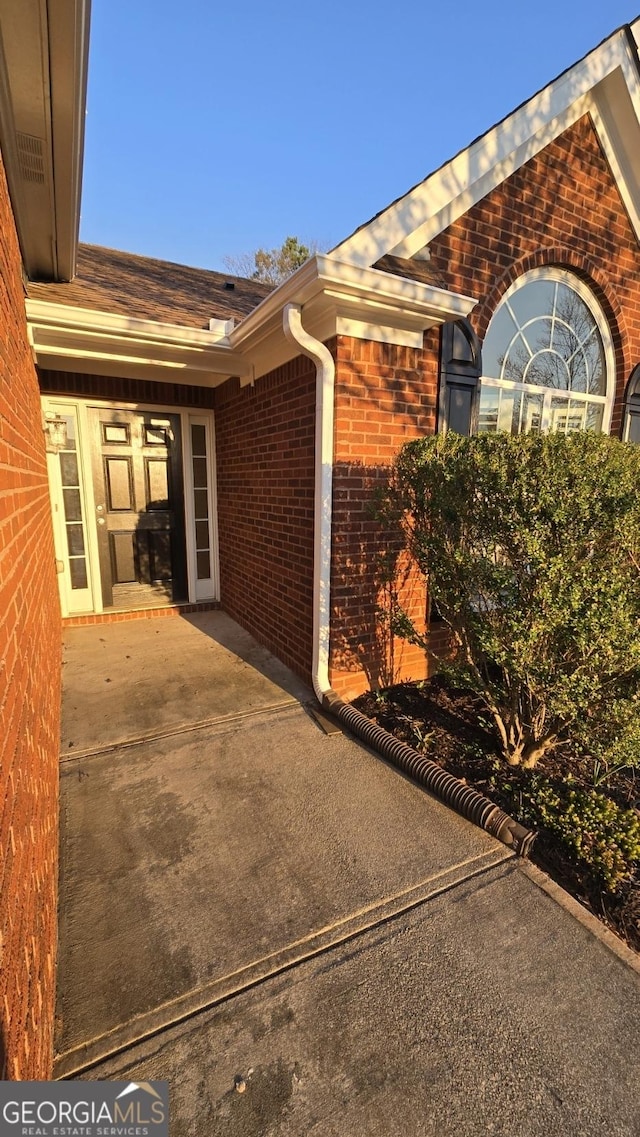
point(605, 83)
point(126, 284)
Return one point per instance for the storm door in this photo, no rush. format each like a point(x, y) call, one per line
point(137, 478)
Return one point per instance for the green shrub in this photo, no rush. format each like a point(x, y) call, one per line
point(592, 827)
point(531, 548)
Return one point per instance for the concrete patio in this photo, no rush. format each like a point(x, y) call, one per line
point(245, 896)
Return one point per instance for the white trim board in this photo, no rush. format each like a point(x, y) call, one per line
point(65, 338)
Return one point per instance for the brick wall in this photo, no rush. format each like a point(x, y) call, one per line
point(385, 395)
point(265, 471)
point(561, 208)
point(29, 694)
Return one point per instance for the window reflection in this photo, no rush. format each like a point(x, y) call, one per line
point(543, 336)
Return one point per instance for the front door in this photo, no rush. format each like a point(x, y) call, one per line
point(137, 479)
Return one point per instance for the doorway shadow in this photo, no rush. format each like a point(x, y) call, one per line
point(218, 627)
point(223, 630)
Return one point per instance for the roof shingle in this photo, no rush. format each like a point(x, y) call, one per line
point(126, 284)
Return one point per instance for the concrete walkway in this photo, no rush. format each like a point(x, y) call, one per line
point(243, 895)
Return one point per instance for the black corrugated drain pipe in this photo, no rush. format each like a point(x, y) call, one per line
point(465, 800)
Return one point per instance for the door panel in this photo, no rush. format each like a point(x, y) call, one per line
point(157, 483)
point(119, 484)
point(123, 559)
point(137, 475)
point(159, 555)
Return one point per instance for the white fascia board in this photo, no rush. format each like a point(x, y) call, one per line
point(358, 285)
point(62, 333)
point(343, 299)
point(50, 314)
point(615, 113)
point(452, 202)
point(327, 283)
point(415, 219)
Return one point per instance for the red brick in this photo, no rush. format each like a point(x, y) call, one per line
point(29, 692)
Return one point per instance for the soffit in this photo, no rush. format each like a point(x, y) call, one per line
point(43, 65)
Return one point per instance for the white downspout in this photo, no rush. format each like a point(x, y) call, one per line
point(325, 378)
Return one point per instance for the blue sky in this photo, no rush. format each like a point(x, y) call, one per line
point(214, 129)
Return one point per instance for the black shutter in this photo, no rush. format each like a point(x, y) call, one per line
point(460, 370)
point(631, 418)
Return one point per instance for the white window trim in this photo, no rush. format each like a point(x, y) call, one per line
point(73, 602)
point(565, 276)
point(208, 589)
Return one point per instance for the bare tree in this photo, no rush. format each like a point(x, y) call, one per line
point(272, 266)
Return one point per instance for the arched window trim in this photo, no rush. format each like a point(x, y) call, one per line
point(564, 276)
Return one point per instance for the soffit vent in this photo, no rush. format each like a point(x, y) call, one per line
point(31, 157)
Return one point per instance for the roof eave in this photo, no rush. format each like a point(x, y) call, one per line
point(336, 299)
point(325, 286)
point(44, 50)
point(101, 343)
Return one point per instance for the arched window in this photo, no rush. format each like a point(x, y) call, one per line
point(631, 424)
point(547, 359)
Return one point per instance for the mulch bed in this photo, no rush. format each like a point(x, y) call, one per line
point(452, 727)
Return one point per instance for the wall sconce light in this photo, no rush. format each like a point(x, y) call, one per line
point(55, 433)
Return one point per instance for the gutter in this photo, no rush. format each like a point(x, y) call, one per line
point(323, 279)
point(454, 793)
point(61, 333)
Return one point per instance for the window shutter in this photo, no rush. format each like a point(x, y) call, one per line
point(631, 420)
point(460, 369)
